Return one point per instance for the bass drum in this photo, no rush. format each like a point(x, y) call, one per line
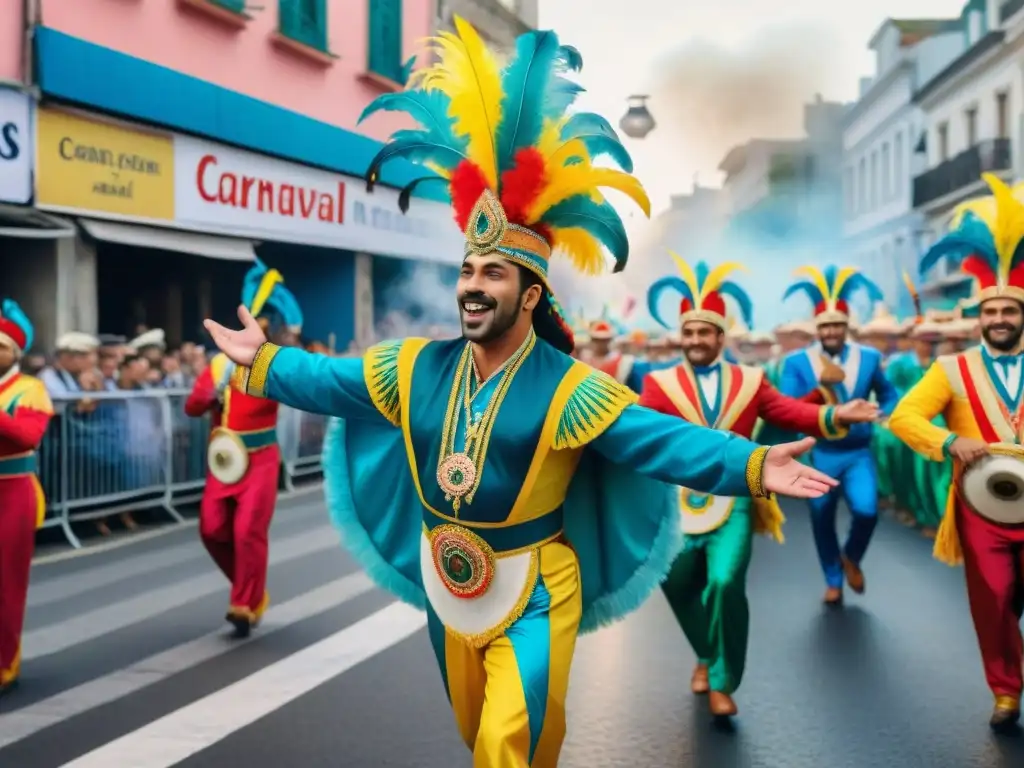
point(227, 456)
point(993, 487)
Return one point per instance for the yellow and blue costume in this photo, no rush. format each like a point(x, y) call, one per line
point(527, 508)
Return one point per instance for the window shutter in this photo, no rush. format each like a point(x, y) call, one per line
point(385, 56)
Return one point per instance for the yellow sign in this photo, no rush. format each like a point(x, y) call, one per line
point(92, 166)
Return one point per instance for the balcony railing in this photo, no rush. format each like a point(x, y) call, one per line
point(1008, 8)
point(962, 171)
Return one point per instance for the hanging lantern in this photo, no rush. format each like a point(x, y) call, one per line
point(637, 122)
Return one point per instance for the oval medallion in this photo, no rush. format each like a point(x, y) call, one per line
point(463, 560)
point(456, 475)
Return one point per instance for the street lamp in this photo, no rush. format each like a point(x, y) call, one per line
point(637, 122)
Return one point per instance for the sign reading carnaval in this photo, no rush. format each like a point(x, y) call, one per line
point(89, 166)
point(230, 191)
point(15, 147)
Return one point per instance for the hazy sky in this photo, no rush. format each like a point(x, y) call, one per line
point(718, 73)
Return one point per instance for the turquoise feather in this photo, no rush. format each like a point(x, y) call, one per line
point(657, 290)
point(860, 282)
point(809, 289)
point(742, 300)
point(11, 311)
point(428, 108)
point(417, 147)
point(972, 236)
point(599, 219)
point(534, 92)
point(598, 137)
point(251, 284)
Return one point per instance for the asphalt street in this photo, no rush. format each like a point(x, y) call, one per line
point(127, 665)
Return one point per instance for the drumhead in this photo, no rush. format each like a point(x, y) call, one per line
point(994, 486)
point(227, 457)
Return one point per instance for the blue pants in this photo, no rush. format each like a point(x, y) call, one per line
point(858, 485)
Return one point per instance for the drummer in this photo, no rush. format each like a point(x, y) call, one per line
point(243, 457)
point(977, 391)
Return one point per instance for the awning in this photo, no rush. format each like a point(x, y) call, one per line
point(30, 224)
point(210, 246)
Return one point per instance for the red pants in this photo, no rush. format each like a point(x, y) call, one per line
point(19, 511)
point(994, 566)
point(234, 523)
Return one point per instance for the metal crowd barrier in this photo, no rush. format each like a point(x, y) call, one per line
point(106, 453)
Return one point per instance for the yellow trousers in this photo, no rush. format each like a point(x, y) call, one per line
point(509, 696)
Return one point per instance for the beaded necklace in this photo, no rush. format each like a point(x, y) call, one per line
point(459, 473)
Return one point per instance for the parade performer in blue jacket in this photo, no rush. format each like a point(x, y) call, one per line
point(519, 496)
point(836, 370)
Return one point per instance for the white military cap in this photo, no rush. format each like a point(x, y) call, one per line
point(153, 338)
point(76, 341)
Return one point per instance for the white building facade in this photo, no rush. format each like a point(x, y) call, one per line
point(972, 123)
point(499, 22)
point(881, 229)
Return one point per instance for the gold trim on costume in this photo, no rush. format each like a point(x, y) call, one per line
point(705, 316)
point(1001, 292)
point(487, 636)
point(755, 472)
point(256, 378)
point(831, 316)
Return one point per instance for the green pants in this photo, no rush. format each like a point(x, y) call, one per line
point(707, 590)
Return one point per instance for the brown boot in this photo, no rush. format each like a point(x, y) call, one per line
point(699, 682)
point(833, 596)
point(1005, 714)
point(721, 704)
point(854, 575)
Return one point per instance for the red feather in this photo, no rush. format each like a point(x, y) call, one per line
point(979, 269)
point(714, 303)
point(842, 306)
point(685, 306)
point(466, 186)
point(14, 331)
point(1017, 276)
point(522, 183)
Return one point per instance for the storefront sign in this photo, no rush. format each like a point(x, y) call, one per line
point(15, 147)
point(229, 191)
point(93, 167)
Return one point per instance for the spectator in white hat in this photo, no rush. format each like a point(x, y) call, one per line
point(76, 353)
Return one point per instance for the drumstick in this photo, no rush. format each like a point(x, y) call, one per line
point(913, 295)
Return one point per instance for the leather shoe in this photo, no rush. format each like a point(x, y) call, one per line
point(699, 682)
point(721, 704)
point(854, 575)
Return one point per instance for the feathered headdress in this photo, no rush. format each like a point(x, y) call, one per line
point(986, 235)
point(15, 327)
point(519, 169)
point(263, 293)
point(606, 327)
point(704, 291)
point(830, 290)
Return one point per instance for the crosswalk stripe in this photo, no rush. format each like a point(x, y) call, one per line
point(54, 638)
point(191, 729)
point(24, 722)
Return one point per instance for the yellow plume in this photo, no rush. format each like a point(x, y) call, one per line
point(580, 247)
point(817, 277)
point(1009, 229)
point(717, 276)
point(907, 281)
point(470, 75)
point(688, 275)
point(844, 274)
point(271, 279)
point(568, 181)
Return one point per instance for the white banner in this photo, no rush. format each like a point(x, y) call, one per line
point(222, 190)
point(16, 153)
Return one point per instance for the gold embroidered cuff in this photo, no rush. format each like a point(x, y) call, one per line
point(828, 395)
point(755, 472)
point(256, 376)
point(828, 426)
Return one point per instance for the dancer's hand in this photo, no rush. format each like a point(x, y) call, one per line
point(784, 475)
point(968, 450)
point(240, 346)
point(856, 411)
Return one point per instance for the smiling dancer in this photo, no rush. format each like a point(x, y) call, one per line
point(836, 370)
point(516, 494)
point(706, 587)
point(979, 392)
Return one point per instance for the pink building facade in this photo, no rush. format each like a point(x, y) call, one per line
point(181, 139)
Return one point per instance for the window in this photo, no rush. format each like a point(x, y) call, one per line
point(1002, 116)
point(304, 21)
point(874, 180)
point(971, 125)
point(862, 187)
point(385, 57)
point(886, 172)
point(942, 133)
point(897, 165)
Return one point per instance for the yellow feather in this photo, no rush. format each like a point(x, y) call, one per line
point(581, 179)
point(580, 247)
point(817, 277)
point(686, 272)
point(844, 274)
point(470, 75)
point(1009, 229)
point(272, 278)
point(439, 170)
point(717, 276)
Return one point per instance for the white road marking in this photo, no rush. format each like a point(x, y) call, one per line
point(22, 723)
point(191, 729)
point(54, 638)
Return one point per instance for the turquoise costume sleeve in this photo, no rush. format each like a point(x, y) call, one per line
point(334, 386)
point(674, 451)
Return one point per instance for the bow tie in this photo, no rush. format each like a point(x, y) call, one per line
point(1005, 361)
point(704, 370)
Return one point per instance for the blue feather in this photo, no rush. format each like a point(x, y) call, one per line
point(702, 271)
point(572, 58)
point(972, 236)
point(860, 282)
point(251, 284)
point(809, 289)
point(285, 304)
point(598, 137)
point(657, 290)
point(428, 108)
point(831, 272)
point(534, 90)
point(11, 311)
point(415, 146)
point(599, 219)
point(742, 300)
